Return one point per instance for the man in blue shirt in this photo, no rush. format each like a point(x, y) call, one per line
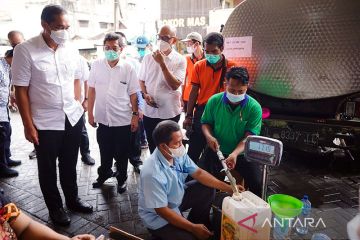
point(164, 194)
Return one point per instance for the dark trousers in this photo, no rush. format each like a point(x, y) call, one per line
point(84, 142)
point(142, 132)
point(197, 141)
point(150, 124)
point(5, 141)
point(251, 172)
point(114, 143)
point(64, 146)
point(197, 197)
point(135, 147)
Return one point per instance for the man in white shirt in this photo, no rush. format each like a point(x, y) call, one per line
point(112, 89)
point(161, 75)
point(43, 72)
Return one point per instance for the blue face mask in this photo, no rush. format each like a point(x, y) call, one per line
point(235, 98)
point(111, 55)
point(141, 52)
point(212, 58)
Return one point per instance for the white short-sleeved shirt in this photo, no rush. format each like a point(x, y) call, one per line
point(113, 87)
point(50, 77)
point(167, 99)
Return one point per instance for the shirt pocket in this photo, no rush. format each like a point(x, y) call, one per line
point(68, 68)
point(118, 88)
point(46, 71)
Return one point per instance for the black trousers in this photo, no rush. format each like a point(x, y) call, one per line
point(135, 147)
point(251, 172)
point(197, 141)
point(197, 197)
point(84, 142)
point(64, 146)
point(5, 141)
point(114, 143)
point(150, 124)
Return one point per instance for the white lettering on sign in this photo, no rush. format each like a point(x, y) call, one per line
point(184, 22)
point(237, 47)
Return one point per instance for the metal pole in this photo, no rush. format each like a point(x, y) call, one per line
point(264, 183)
point(115, 15)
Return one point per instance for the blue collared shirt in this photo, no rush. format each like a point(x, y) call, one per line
point(4, 90)
point(162, 185)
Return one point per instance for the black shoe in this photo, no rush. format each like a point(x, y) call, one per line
point(8, 172)
point(13, 163)
point(32, 154)
point(80, 206)
point(60, 217)
point(88, 160)
point(100, 180)
point(122, 188)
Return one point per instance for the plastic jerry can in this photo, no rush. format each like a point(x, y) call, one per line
point(245, 219)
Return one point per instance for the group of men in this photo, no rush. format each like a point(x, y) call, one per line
point(131, 103)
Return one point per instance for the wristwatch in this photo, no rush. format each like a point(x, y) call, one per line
point(135, 113)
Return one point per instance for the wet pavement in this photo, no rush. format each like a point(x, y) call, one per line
point(333, 190)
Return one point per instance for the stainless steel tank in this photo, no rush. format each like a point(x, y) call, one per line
point(301, 49)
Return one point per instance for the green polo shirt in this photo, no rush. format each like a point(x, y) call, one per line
point(230, 125)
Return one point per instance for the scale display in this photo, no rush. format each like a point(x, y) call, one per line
point(262, 147)
point(263, 150)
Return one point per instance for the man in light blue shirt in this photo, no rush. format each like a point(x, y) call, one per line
point(164, 194)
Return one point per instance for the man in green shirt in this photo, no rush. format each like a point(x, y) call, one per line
point(228, 118)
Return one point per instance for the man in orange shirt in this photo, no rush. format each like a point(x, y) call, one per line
point(193, 43)
point(207, 79)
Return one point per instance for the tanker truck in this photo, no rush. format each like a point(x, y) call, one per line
point(303, 59)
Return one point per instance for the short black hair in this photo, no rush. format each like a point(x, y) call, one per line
point(238, 73)
point(214, 38)
point(163, 131)
point(14, 32)
point(114, 36)
point(50, 11)
point(9, 53)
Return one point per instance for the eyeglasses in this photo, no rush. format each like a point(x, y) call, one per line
point(116, 49)
point(164, 38)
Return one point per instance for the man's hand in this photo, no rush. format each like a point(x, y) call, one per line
point(213, 143)
point(134, 123)
point(150, 101)
point(85, 105)
point(83, 237)
point(31, 134)
point(231, 161)
point(201, 232)
point(91, 120)
point(188, 122)
point(158, 57)
point(141, 115)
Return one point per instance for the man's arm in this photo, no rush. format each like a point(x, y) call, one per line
point(194, 93)
point(173, 82)
point(208, 180)
point(23, 100)
point(135, 108)
point(211, 140)
point(148, 99)
point(91, 101)
point(86, 96)
point(77, 89)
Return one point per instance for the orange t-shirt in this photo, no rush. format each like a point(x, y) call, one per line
point(208, 79)
point(190, 61)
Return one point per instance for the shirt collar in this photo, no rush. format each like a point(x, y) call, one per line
point(161, 158)
point(42, 44)
point(242, 103)
point(117, 64)
point(171, 54)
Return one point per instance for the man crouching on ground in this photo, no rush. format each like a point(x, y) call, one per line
point(164, 194)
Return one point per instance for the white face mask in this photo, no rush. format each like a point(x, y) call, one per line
point(60, 36)
point(235, 98)
point(190, 49)
point(178, 152)
point(164, 46)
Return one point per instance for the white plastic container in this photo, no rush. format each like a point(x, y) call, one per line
point(245, 219)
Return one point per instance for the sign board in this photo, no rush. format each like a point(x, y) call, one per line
point(238, 47)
